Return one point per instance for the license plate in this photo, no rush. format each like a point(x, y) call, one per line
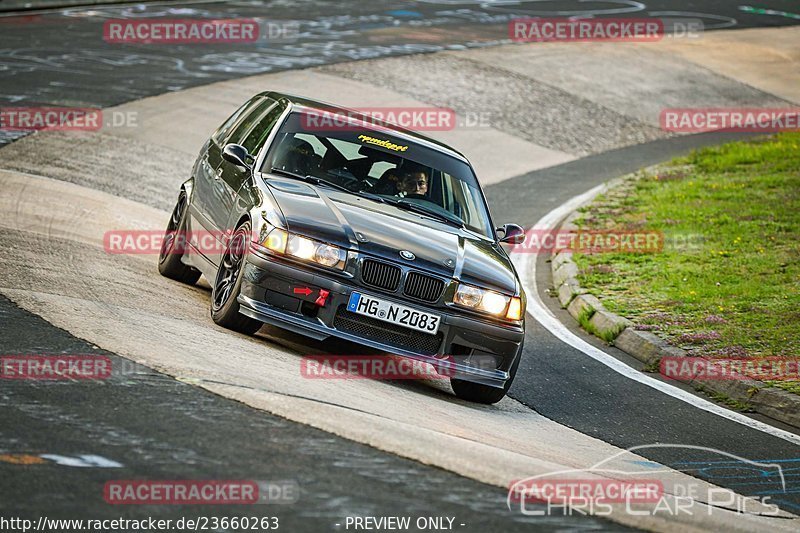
point(401, 315)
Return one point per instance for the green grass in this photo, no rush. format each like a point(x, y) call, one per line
point(727, 282)
point(583, 319)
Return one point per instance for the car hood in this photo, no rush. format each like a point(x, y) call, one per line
point(383, 230)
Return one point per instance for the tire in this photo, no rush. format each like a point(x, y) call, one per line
point(228, 283)
point(172, 247)
point(475, 392)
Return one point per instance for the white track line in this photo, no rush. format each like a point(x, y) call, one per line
point(526, 266)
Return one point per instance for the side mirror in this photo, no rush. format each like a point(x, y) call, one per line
point(512, 234)
point(236, 154)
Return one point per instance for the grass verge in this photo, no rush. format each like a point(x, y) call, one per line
point(727, 282)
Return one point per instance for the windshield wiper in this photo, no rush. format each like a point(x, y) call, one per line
point(311, 179)
point(320, 181)
point(418, 208)
point(372, 196)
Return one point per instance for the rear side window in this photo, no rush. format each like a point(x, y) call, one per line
point(222, 132)
point(255, 139)
point(248, 120)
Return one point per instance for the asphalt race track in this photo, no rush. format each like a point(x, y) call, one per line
point(64, 43)
point(193, 401)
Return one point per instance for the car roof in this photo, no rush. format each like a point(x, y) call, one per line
point(306, 104)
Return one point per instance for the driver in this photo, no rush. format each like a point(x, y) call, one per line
point(413, 182)
point(298, 156)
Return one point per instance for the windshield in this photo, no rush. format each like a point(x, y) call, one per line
point(374, 162)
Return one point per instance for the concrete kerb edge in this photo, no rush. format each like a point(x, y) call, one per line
point(645, 346)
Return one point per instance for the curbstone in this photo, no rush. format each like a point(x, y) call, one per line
point(739, 389)
point(568, 224)
point(560, 259)
point(775, 403)
point(608, 325)
point(645, 346)
point(584, 303)
point(571, 218)
point(569, 290)
point(569, 227)
point(778, 404)
point(564, 272)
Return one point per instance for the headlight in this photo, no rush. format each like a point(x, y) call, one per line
point(483, 300)
point(311, 250)
point(493, 303)
point(468, 296)
point(300, 247)
point(515, 309)
point(280, 241)
point(327, 255)
point(275, 240)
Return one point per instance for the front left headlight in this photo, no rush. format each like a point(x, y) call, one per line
point(489, 302)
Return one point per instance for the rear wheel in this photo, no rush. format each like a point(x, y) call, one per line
point(174, 244)
point(224, 306)
point(475, 392)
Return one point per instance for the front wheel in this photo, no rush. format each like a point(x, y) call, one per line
point(475, 392)
point(224, 294)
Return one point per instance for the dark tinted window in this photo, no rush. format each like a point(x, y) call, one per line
point(222, 132)
point(249, 120)
point(255, 139)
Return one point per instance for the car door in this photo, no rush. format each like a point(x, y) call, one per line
point(251, 132)
point(205, 175)
point(246, 191)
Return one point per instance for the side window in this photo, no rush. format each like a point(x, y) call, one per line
point(222, 131)
point(248, 120)
point(255, 139)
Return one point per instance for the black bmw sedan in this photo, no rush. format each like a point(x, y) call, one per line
point(351, 228)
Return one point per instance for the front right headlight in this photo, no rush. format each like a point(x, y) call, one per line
point(328, 255)
point(275, 240)
point(282, 242)
point(315, 251)
point(484, 300)
point(301, 247)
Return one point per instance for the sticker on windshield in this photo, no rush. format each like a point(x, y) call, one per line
point(382, 142)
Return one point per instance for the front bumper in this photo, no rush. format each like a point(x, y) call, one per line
point(464, 348)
